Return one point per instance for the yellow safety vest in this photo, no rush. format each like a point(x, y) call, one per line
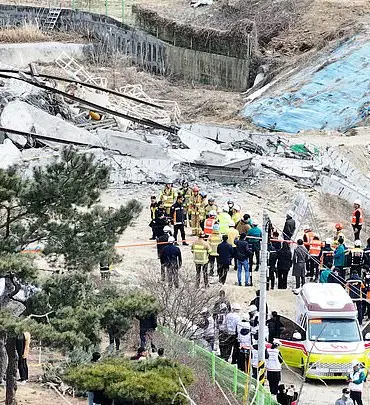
point(168, 197)
point(224, 221)
point(200, 252)
point(236, 217)
point(232, 235)
point(214, 240)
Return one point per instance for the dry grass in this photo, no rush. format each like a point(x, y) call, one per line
point(26, 33)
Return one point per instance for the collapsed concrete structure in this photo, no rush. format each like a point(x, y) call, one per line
point(140, 140)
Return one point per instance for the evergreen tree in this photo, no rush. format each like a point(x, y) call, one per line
point(57, 207)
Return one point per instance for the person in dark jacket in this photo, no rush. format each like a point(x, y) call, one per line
point(355, 287)
point(153, 209)
point(299, 263)
point(275, 326)
point(225, 255)
point(289, 226)
point(160, 220)
point(178, 219)
point(162, 242)
point(284, 263)
point(148, 324)
point(256, 301)
point(367, 253)
point(243, 254)
point(327, 254)
point(273, 248)
point(171, 256)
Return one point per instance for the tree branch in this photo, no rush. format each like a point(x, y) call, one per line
point(17, 287)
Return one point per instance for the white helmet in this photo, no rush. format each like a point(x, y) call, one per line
point(252, 308)
point(358, 243)
point(171, 239)
point(231, 223)
point(358, 202)
point(355, 363)
point(237, 207)
point(225, 208)
point(307, 227)
point(204, 310)
point(236, 307)
point(213, 213)
point(167, 229)
point(328, 241)
point(290, 214)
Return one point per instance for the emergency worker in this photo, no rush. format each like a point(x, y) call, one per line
point(244, 338)
point(307, 236)
point(168, 197)
point(214, 240)
point(195, 210)
point(224, 220)
point(315, 254)
point(201, 249)
point(356, 257)
point(210, 222)
point(210, 206)
point(338, 234)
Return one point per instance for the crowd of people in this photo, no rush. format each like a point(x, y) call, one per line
point(226, 237)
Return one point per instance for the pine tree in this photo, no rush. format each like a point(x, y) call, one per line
point(57, 207)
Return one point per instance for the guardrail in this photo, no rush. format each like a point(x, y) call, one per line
point(244, 388)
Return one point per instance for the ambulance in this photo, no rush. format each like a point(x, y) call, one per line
point(325, 336)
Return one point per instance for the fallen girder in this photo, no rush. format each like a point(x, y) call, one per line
point(95, 107)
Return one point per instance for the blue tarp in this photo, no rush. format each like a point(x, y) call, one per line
point(333, 93)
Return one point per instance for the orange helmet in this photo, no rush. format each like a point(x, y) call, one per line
point(339, 227)
point(195, 188)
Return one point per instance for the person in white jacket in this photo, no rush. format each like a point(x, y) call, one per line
point(273, 366)
point(243, 330)
point(232, 320)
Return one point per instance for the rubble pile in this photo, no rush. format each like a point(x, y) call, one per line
point(140, 138)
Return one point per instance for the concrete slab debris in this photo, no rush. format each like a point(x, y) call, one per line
point(9, 154)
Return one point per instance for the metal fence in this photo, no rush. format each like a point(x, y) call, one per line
point(118, 9)
point(243, 387)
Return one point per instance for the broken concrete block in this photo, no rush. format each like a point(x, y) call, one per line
point(193, 141)
point(128, 145)
point(9, 154)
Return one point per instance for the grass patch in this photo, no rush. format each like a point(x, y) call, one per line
point(26, 33)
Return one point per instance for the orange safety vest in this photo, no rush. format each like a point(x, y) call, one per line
point(315, 248)
point(309, 235)
point(208, 225)
point(354, 219)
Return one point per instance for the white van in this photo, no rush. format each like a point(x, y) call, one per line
point(325, 336)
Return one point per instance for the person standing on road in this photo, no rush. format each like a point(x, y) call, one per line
point(273, 248)
point(214, 240)
point(340, 257)
point(284, 263)
point(289, 226)
point(356, 381)
point(243, 254)
point(233, 234)
point(344, 399)
point(299, 263)
point(207, 324)
point(201, 249)
point(357, 219)
point(255, 236)
point(220, 322)
point(273, 366)
point(162, 242)
point(225, 255)
point(178, 218)
point(153, 209)
point(171, 255)
point(232, 320)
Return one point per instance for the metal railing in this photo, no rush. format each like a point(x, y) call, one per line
point(244, 388)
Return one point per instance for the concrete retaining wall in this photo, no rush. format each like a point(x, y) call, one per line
point(143, 49)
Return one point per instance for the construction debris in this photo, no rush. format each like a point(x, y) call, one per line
point(139, 139)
